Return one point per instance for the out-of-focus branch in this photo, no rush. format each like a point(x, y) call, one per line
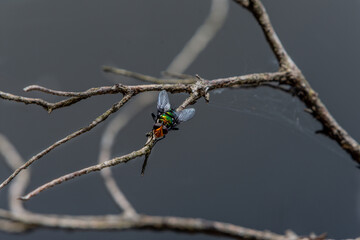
point(17, 188)
point(14, 227)
point(109, 163)
point(106, 144)
point(299, 83)
point(205, 33)
point(14, 161)
point(114, 127)
point(261, 16)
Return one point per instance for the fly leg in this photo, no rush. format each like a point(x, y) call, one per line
point(153, 117)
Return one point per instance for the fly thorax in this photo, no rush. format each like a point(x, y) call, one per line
point(167, 118)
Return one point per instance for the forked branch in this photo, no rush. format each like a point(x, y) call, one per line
point(297, 81)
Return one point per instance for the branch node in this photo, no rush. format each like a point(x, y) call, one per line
point(207, 97)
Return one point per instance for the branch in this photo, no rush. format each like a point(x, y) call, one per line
point(74, 96)
point(93, 124)
point(37, 101)
point(119, 222)
point(261, 16)
point(299, 83)
point(97, 167)
point(124, 89)
point(202, 37)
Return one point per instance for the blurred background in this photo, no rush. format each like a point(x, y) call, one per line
point(250, 157)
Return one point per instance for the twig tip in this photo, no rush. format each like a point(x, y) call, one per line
point(106, 68)
point(23, 198)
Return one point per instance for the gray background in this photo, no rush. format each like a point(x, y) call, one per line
point(249, 157)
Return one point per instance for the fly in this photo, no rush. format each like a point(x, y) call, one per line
point(167, 119)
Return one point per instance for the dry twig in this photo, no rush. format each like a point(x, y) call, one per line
point(299, 83)
point(93, 124)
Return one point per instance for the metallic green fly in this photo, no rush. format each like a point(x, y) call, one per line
point(167, 119)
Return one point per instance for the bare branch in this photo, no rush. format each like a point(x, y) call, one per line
point(93, 124)
point(117, 88)
point(260, 14)
point(300, 85)
point(75, 96)
point(97, 167)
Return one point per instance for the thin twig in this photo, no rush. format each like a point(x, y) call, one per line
point(261, 16)
point(93, 124)
point(203, 87)
point(97, 167)
point(26, 100)
point(115, 161)
point(117, 88)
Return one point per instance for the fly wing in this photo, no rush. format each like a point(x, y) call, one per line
point(185, 115)
point(163, 104)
